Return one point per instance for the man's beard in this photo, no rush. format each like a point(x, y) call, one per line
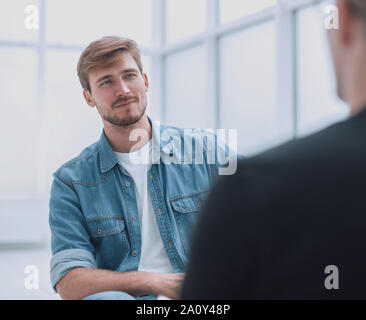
point(126, 120)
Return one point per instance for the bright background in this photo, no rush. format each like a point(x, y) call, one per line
point(262, 67)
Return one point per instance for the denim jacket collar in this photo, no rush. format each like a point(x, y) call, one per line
point(108, 157)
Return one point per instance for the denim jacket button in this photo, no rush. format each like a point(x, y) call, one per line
point(134, 253)
point(127, 184)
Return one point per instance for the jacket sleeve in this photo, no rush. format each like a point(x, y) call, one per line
point(70, 241)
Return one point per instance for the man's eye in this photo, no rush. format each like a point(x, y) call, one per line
point(105, 82)
point(130, 75)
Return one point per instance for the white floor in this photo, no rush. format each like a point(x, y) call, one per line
point(17, 282)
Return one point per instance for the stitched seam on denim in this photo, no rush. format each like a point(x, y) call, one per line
point(104, 218)
point(116, 229)
point(67, 165)
point(186, 210)
point(177, 209)
point(107, 233)
point(175, 259)
point(73, 189)
point(188, 195)
point(180, 230)
point(104, 169)
point(131, 235)
point(105, 175)
point(58, 174)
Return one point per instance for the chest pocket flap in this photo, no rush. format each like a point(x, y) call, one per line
point(189, 203)
point(105, 226)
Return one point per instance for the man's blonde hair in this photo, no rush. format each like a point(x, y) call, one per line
point(101, 54)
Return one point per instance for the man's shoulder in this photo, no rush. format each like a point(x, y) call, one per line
point(73, 169)
point(337, 141)
point(330, 151)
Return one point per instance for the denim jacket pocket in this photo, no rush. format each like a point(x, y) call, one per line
point(189, 203)
point(104, 226)
point(185, 209)
point(110, 240)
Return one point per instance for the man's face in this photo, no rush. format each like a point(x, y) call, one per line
point(345, 46)
point(118, 91)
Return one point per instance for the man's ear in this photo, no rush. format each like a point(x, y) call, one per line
point(88, 98)
point(146, 81)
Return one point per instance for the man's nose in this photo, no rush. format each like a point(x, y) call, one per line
point(122, 88)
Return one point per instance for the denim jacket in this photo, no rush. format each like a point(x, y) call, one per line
point(93, 215)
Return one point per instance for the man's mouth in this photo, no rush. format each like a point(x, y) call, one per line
point(123, 104)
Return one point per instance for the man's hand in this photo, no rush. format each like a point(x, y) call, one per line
point(167, 284)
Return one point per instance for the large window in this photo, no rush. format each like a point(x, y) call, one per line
point(211, 64)
point(247, 86)
point(261, 67)
point(184, 18)
point(14, 25)
point(80, 22)
point(185, 97)
point(45, 119)
point(18, 123)
point(235, 9)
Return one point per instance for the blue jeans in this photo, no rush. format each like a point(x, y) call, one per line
point(116, 295)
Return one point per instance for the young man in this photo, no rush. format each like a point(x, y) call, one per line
point(122, 211)
point(295, 216)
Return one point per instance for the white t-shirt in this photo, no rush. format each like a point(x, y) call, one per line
point(154, 257)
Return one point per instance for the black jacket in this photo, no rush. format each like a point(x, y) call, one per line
point(270, 230)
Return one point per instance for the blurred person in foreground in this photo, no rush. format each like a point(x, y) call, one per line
point(291, 223)
point(121, 212)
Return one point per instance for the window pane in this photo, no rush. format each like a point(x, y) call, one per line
point(19, 20)
point(18, 121)
point(247, 82)
point(235, 9)
point(185, 92)
point(80, 22)
point(184, 18)
point(69, 124)
point(317, 103)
